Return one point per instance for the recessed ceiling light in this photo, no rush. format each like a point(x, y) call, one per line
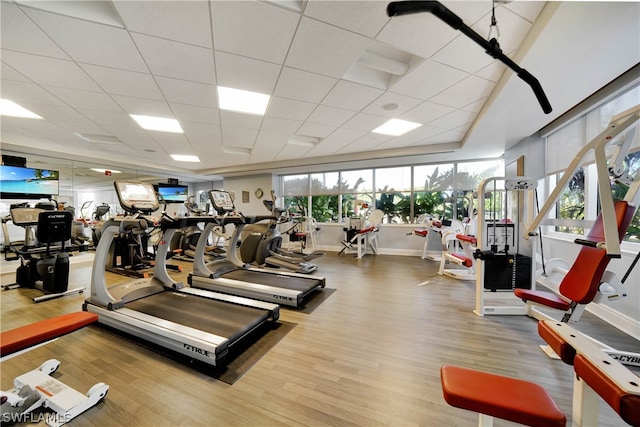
point(396, 127)
point(10, 108)
point(242, 101)
point(158, 123)
point(304, 141)
point(185, 158)
point(105, 170)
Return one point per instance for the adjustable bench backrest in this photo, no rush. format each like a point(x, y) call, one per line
point(582, 281)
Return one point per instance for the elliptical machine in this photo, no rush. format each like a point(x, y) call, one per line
point(262, 244)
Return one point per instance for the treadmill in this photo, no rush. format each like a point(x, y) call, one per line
point(200, 324)
point(234, 277)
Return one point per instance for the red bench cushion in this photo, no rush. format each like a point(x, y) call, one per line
point(562, 348)
point(501, 397)
point(44, 330)
point(542, 297)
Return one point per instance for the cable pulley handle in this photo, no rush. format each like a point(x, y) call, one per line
point(492, 47)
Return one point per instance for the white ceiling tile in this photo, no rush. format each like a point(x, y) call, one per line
point(315, 130)
point(248, 28)
point(19, 33)
point(513, 29)
point(365, 122)
point(366, 143)
point(10, 73)
point(330, 116)
point(175, 59)
point(185, 21)
point(316, 41)
point(121, 82)
point(475, 107)
point(454, 119)
point(190, 93)
point(83, 127)
point(240, 120)
point(463, 54)
point(28, 94)
point(467, 91)
point(204, 129)
point(110, 120)
point(351, 96)
point(238, 137)
point(446, 137)
point(193, 113)
point(49, 71)
point(292, 152)
point(426, 80)
point(244, 73)
point(89, 42)
point(426, 112)
point(528, 10)
point(347, 135)
point(277, 124)
point(492, 72)
point(209, 143)
point(174, 143)
point(58, 112)
point(362, 17)
point(327, 147)
point(289, 108)
point(268, 145)
point(303, 86)
point(421, 34)
point(405, 103)
point(82, 99)
point(144, 107)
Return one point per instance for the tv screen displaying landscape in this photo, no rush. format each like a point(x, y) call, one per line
point(27, 183)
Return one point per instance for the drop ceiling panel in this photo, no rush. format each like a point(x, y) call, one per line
point(454, 120)
point(184, 112)
point(239, 120)
point(145, 107)
point(174, 143)
point(238, 137)
point(405, 103)
point(58, 112)
point(49, 71)
point(289, 108)
point(121, 82)
point(303, 86)
point(351, 96)
point(427, 79)
point(467, 91)
point(365, 122)
point(292, 152)
point(316, 41)
point(276, 124)
point(463, 54)
point(90, 43)
point(190, 93)
point(253, 29)
point(175, 59)
point(11, 74)
point(19, 33)
point(363, 17)
point(244, 73)
point(29, 94)
point(421, 34)
point(528, 10)
point(327, 147)
point(185, 21)
point(315, 130)
point(82, 99)
point(330, 116)
point(426, 112)
point(347, 135)
point(366, 143)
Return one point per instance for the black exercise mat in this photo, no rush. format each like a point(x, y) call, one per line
point(314, 300)
point(243, 359)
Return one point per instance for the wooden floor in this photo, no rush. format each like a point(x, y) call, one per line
point(367, 356)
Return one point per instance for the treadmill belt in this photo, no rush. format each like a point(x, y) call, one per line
point(273, 279)
point(216, 317)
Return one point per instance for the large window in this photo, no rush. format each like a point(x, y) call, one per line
point(404, 193)
point(579, 199)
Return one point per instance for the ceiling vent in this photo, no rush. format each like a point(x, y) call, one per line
point(99, 139)
point(380, 65)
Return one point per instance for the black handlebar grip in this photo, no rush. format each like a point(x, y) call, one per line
point(398, 8)
point(537, 90)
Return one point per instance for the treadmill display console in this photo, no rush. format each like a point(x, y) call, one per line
point(137, 196)
point(221, 201)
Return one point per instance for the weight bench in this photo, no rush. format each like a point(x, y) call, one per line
point(597, 375)
point(37, 388)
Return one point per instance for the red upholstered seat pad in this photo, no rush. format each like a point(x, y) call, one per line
point(467, 262)
point(44, 330)
point(542, 297)
point(420, 232)
point(465, 238)
point(625, 404)
point(562, 348)
point(501, 397)
point(366, 230)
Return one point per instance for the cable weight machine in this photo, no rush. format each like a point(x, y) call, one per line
point(500, 265)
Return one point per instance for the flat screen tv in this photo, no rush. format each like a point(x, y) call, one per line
point(28, 183)
point(173, 193)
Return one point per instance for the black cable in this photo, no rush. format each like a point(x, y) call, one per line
point(544, 270)
point(492, 47)
point(633, 264)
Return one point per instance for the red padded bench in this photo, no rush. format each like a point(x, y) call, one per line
point(36, 333)
point(461, 259)
point(499, 396)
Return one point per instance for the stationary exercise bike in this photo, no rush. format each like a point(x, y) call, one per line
point(44, 267)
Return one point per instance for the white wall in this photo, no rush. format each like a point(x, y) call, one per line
point(250, 184)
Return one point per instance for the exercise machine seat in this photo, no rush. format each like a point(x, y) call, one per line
point(582, 281)
point(35, 333)
point(543, 297)
point(499, 396)
point(625, 404)
point(467, 239)
point(461, 259)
